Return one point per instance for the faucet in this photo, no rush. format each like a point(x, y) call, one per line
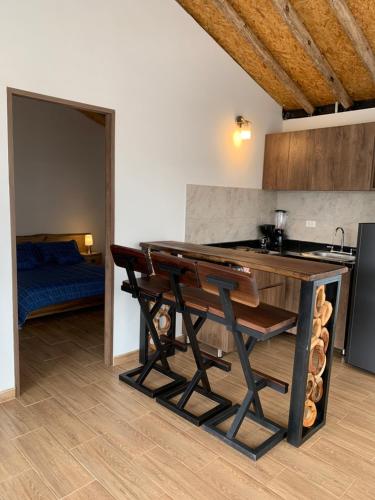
point(339, 228)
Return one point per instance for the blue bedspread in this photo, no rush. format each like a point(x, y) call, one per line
point(53, 284)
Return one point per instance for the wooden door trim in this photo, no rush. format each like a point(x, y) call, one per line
point(109, 215)
point(372, 185)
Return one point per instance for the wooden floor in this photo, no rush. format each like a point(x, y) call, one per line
point(77, 432)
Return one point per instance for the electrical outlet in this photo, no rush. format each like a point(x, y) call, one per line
point(310, 223)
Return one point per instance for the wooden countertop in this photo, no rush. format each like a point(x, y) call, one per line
point(305, 270)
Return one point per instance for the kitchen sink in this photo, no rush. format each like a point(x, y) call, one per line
point(331, 255)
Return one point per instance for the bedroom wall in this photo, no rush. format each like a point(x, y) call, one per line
point(176, 94)
point(59, 160)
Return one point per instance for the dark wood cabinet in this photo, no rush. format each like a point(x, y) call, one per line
point(325, 159)
point(276, 158)
point(355, 153)
point(342, 313)
point(299, 160)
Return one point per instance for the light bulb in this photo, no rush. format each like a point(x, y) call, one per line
point(245, 133)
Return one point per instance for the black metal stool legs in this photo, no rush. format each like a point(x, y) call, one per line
point(200, 377)
point(242, 411)
point(137, 376)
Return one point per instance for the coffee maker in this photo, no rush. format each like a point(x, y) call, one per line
point(279, 231)
point(268, 231)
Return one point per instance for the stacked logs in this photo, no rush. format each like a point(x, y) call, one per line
point(317, 361)
point(162, 319)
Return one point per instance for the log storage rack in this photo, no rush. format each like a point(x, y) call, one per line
point(319, 302)
point(318, 306)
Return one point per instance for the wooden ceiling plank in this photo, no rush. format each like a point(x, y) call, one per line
point(354, 32)
point(236, 20)
point(300, 32)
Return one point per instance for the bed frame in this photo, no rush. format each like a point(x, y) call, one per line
point(72, 305)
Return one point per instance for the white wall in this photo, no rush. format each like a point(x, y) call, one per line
point(331, 120)
point(175, 92)
point(59, 159)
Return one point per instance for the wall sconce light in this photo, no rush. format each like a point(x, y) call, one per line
point(244, 128)
point(89, 241)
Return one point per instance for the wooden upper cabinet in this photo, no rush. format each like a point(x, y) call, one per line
point(325, 159)
point(286, 161)
point(276, 156)
point(299, 161)
point(354, 166)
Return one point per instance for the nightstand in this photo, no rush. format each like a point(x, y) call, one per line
point(92, 258)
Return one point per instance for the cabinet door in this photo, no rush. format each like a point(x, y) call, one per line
point(325, 144)
point(292, 294)
point(286, 160)
point(300, 152)
point(342, 313)
point(271, 287)
point(276, 154)
point(355, 154)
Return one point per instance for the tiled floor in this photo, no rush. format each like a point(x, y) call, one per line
point(77, 432)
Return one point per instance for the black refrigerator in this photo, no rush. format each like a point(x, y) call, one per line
point(361, 339)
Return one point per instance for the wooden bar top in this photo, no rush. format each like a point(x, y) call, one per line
point(301, 269)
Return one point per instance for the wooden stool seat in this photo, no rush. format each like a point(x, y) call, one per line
point(152, 286)
point(265, 318)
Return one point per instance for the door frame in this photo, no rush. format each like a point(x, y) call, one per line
point(109, 216)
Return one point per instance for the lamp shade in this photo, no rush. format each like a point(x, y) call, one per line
point(89, 241)
point(244, 128)
point(245, 133)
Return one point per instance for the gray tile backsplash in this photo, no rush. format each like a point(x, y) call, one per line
point(216, 214)
point(329, 210)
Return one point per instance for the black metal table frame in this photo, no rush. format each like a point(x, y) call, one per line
point(296, 433)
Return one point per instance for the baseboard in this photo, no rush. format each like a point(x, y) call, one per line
point(7, 395)
point(134, 355)
point(123, 358)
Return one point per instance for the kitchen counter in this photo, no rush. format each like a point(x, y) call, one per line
point(294, 248)
point(301, 269)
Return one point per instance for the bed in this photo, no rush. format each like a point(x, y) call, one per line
point(53, 277)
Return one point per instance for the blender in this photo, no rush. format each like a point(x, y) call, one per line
point(280, 223)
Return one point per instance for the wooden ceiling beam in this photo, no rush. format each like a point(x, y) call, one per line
point(300, 32)
point(239, 24)
point(354, 32)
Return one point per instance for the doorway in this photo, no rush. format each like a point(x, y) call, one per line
point(107, 118)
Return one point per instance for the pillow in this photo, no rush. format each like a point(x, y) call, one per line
point(26, 256)
point(60, 252)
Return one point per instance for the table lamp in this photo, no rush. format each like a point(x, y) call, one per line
point(89, 241)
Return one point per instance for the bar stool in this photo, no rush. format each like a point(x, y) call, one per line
point(146, 289)
point(239, 309)
point(183, 277)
